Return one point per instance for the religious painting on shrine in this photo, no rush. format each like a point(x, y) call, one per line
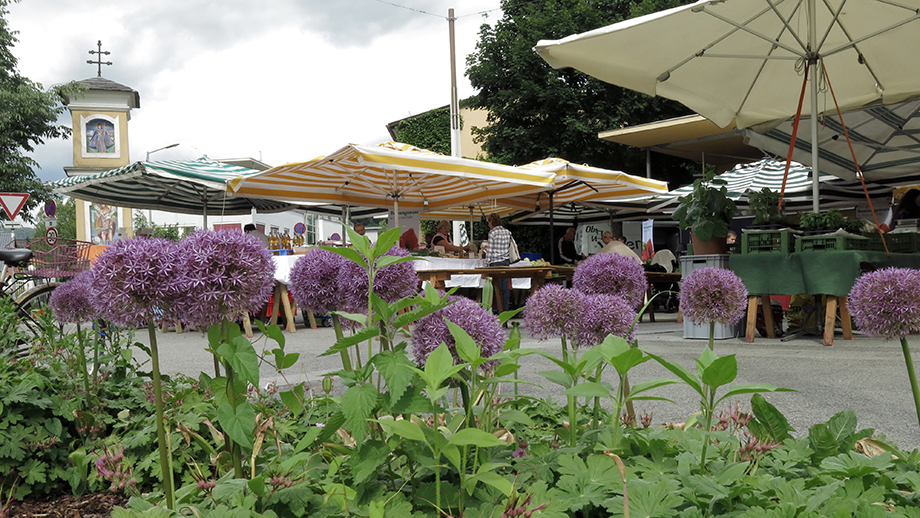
point(100, 136)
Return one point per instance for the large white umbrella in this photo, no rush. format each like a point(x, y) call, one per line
point(745, 60)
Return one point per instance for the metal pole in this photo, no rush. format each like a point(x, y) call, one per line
point(454, 100)
point(812, 42)
point(552, 240)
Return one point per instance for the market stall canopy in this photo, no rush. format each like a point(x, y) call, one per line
point(183, 186)
point(391, 175)
point(885, 139)
point(769, 173)
point(744, 59)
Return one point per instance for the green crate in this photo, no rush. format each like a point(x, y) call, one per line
point(903, 242)
point(821, 243)
point(769, 241)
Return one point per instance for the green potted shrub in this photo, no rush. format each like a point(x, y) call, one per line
point(765, 204)
point(707, 211)
point(821, 222)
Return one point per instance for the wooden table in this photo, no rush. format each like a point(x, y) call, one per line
point(658, 277)
point(536, 274)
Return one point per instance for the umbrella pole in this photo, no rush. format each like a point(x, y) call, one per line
point(204, 218)
point(344, 220)
point(812, 42)
point(552, 241)
point(470, 236)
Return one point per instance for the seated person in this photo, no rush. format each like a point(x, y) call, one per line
point(616, 246)
point(442, 238)
point(253, 231)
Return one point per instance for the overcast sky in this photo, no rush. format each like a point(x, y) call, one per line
point(281, 81)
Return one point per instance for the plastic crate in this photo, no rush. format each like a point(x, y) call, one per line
point(831, 242)
point(903, 242)
point(759, 242)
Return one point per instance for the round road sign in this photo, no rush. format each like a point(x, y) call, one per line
point(50, 208)
point(300, 228)
point(51, 236)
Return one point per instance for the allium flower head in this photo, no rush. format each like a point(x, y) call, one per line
point(604, 315)
point(136, 279)
point(73, 302)
point(886, 302)
point(482, 326)
point(612, 274)
point(315, 282)
point(553, 311)
point(391, 283)
point(227, 272)
point(713, 295)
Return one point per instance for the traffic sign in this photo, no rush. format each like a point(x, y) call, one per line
point(50, 208)
point(51, 236)
point(300, 228)
point(12, 202)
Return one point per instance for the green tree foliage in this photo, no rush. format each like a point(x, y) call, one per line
point(28, 116)
point(429, 130)
point(67, 219)
point(536, 111)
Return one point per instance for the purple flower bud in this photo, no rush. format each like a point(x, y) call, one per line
point(553, 311)
point(73, 301)
point(886, 303)
point(713, 295)
point(482, 326)
point(612, 274)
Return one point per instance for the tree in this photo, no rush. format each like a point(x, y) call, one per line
point(429, 130)
point(28, 116)
point(536, 112)
point(67, 219)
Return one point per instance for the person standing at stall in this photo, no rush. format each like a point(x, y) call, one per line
point(565, 248)
point(497, 254)
point(442, 238)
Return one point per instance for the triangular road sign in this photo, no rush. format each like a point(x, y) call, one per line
point(12, 202)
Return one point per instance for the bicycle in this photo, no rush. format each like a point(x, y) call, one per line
point(29, 273)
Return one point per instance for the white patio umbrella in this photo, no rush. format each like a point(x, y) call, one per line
point(746, 59)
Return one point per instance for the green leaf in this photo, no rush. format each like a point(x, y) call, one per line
point(559, 378)
point(242, 358)
point(475, 437)
point(590, 389)
point(308, 438)
point(512, 415)
point(387, 260)
point(238, 423)
point(842, 425)
point(396, 369)
point(403, 428)
point(774, 422)
point(644, 386)
point(721, 371)
point(361, 336)
point(386, 241)
point(680, 372)
point(466, 347)
point(369, 456)
point(822, 442)
point(751, 389)
point(440, 366)
point(292, 401)
point(347, 253)
point(358, 403)
point(493, 479)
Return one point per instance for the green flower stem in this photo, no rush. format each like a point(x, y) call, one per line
point(712, 334)
point(95, 354)
point(346, 357)
point(161, 429)
point(235, 453)
point(81, 355)
point(708, 411)
point(572, 402)
point(911, 374)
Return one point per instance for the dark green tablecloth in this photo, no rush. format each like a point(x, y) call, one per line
point(825, 273)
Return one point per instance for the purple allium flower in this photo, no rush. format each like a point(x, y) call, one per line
point(315, 282)
point(391, 283)
point(73, 302)
point(227, 272)
point(612, 274)
point(886, 302)
point(553, 311)
point(135, 279)
point(713, 295)
point(482, 326)
point(604, 315)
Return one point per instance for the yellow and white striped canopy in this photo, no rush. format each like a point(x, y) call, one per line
point(582, 183)
point(395, 175)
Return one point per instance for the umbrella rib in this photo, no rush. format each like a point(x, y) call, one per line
point(752, 32)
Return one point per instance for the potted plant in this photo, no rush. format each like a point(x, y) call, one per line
point(767, 213)
point(707, 211)
point(822, 222)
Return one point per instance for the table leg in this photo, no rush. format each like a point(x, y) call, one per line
point(276, 303)
point(830, 317)
point(311, 319)
point(845, 321)
point(288, 311)
point(651, 307)
point(767, 315)
point(751, 319)
point(497, 294)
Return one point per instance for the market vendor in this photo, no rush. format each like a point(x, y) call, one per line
point(565, 248)
point(907, 208)
point(442, 238)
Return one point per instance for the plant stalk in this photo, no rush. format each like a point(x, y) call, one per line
point(161, 429)
point(346, 357)
point(911, 374)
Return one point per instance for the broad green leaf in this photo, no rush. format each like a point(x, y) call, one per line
point(512, 415)
point(559, 378)
point(452, 453)
point(242, 358)
point(589, 389)
point(566, 367)
point(822, 442)
point(403, 428)
point(308, 438)
point(842, 425)
point(467, 349)
point(732, 473)
point(292, 401)
point(774, 422)
point(721, 371)
point(680, 372)
point(358, 403)
point(421, 311)
point(369, 457)
point(347, 253)
point(627, 360)
point(475, 437)
point(493, 479)
point(386, 241)
point(387, 260)
point(257, 486)
point(396, 369)
point(238, 423)
point(440, 366)
point(641, 387)
point(751, 389)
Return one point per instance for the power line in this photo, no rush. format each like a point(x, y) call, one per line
point(438, 15)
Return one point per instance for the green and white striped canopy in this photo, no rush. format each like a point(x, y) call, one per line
point(183, 186)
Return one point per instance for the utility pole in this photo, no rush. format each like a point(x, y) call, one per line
point(454, 100)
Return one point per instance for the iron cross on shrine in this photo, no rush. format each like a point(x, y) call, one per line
point(99, 61)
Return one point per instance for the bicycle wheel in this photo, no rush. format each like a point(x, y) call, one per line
point(32, 307)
